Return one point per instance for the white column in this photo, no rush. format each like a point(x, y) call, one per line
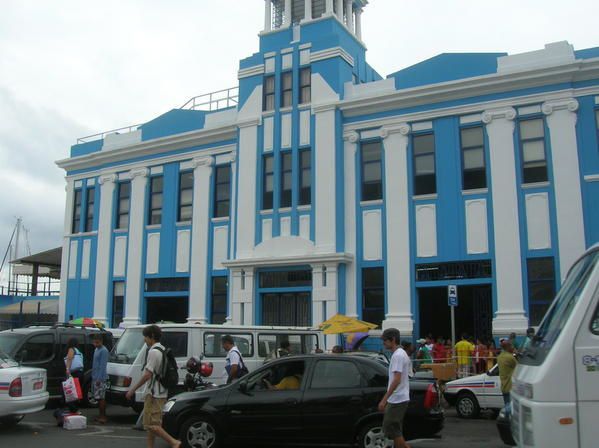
point(359, 23)
point(351, 146)
point(308, 10)
point(561, 120)
point(340, 10)
point(508, 258)
point(324, 296)
point(325, 196)
point(287, 15)
point(349, 13)
point(399, 288)
point(133, 293)
point(232, 209)
point(329, 10)
point(66, 246)
point(246, 212)
point(199, 239)
point(101, 292)
point(268, 15)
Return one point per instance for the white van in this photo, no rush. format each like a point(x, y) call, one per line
point(256, 344)
point(555, 394)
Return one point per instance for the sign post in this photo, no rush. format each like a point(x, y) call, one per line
point(452, 301)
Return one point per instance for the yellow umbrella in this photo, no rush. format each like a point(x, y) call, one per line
point(343, 324)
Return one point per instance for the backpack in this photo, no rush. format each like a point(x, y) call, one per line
point(168, 377)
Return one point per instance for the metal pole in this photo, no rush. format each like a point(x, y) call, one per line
point(453, 325)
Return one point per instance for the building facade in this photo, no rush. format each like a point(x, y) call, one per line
point(318, 187)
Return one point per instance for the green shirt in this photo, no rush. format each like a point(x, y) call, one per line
point(507, 363)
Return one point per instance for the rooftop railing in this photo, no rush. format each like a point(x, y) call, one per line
point(221, 99)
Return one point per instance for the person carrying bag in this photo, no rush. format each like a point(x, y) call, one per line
point(74, 375)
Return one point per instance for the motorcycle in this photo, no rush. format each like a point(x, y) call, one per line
point(197, 372)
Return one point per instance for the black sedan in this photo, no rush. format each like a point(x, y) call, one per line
point(301, 401)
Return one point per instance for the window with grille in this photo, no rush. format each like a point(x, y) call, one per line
point(318, 8)
point(297, 11)
point(156, 198)
point(123, 205)
point(219, 300)
point(222, 191)
point(305, 180)
point(76, 224)
point(305, 85)
point(269, 94)
point(541, 287)
point(286, 179)
point(532, 144)
point(89, 209)
point(373, 295)
point(474, 174)
point(372, 171)
point(118, 302)
point(268, 182)
point(287, 89)
point(185, 196)
point(425, 181)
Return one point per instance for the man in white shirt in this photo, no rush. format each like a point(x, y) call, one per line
point(233, 362)
point(154, 393)
point(395, 402)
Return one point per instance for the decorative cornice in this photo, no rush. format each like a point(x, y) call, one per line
point(248, 123)
point(508, 113)
point(109, 178)
point(402, 128)
point(569, 104)
point(139, 172)
point(250, 71)
point(231, 157)
point(203, 162)
point(335, 52)
point(291, 260)
point(325, 107)
point(351, 136)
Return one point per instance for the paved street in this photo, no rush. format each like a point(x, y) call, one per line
point(40, 430)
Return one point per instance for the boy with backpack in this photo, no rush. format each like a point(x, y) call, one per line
point(157, 378)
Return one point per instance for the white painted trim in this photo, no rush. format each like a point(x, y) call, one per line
point(270, 54)
point(424, 197)
point(266, 212)
point(597, 100)
point(251, 71)
point(535, 185)
point(285, 210)
point(304, 208)
point(290, 261)
point(591, 178)
point(538, 223)
point(422, 126)
point(371, 133)
point(287, 50)
point(469, 119)
point(474, 192)
point(79, 183)
point(156, 170)
point(335, 52)
point(527, 110)
point(370, 203)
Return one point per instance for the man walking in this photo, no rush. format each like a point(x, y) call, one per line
point(507, 364)
point(100, 376)
point(154, 393)
point(464, 350)
point(234, 366)
point(395, 402)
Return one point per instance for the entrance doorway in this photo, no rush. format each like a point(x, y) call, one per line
point(168, 309)
point(287, 309)
point(473, 315)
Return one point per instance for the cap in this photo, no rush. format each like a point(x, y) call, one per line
point(421, 341)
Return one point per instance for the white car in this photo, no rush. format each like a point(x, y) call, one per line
point(471, 394)
point(22, 390)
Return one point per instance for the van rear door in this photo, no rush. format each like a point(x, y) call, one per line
point(587, 368)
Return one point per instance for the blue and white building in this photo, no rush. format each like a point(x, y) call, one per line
point(318, 186)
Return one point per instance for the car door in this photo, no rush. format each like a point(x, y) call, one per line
point(255, 413)
point(334, 400)
point(491, 396)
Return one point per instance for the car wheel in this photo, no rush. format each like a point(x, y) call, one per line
point(467, 405)
point(88, 396)
point(11, 420)
point(372, 436)
point(199, 432)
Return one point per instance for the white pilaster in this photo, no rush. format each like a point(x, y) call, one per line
point(308, 10)
point(199, 239)
point(399, 291)
point(66, 245)
point(325, 196)
point(287, 15)
point(329, 10)
point(349, 13)
point(232, 209)
point(561, 120)
point(139, 180)
point(268, 15)
point(324, 296)
point(351, 146)
point(246, 212)
point(107, 186)
point(339, 10)
point(508, 259)
point(359, 23)
point(241, 310)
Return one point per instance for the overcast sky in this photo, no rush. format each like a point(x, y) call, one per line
point(70, 68)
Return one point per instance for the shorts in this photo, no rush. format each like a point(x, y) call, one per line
point(153, 411)
point(393, 420)
point(99, 389)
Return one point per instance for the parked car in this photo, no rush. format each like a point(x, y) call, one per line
point(470, 395)
point(336, 403)
point(45, 347)
point(376, 356)
point(22, 390)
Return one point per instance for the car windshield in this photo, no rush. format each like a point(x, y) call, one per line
point(6, 361)
point(558, 314)
point(9, 340)
point(128, 346)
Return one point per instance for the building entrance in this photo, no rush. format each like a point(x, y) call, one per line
point(287, 309)
point(167, 309)
point(473, 315)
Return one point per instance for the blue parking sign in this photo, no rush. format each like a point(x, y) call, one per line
point(452, 295)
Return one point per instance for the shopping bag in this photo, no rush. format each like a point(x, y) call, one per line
point(71, 389)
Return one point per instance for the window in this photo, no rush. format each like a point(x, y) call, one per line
point(286, 279)
point(38, 348)
point(219, 300)
point(298, 343)
point(124, 205)
point(305, 85)
point(156, 189)
point(173, 284)
point(532, 141)
point(76, 226)
point(286, 179)
point(318, 8)
point(541, 287)
point(269, 94)
point(597, 122)
point(372, 171)
point(473, 158)
point(275, 374)
point(222, 191)
point(213, 347)
point(118, 301)
point(185, 196)
point(305, 180)
point(269, 179)
point(297, 11)
point(373, 295)
point(177, 341)
point(290, 309)
point(425, 181)
point(595, 322)
point(336, 374)
point(89, 209)
point(287, 89)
